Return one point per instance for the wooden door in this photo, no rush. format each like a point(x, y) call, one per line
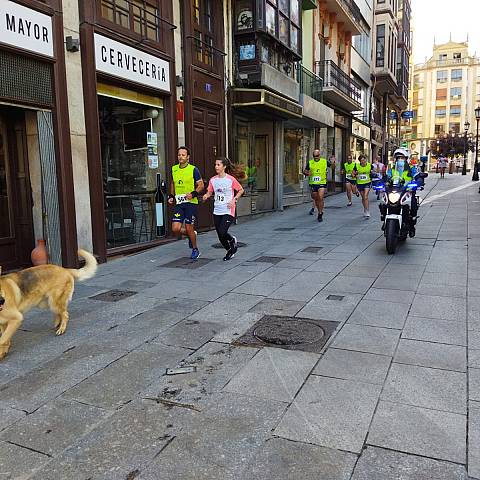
point(205, 149)
point(16, 223)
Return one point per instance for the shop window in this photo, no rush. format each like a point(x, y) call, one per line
point(140, 16)
point(133, 164)
point(296, 149)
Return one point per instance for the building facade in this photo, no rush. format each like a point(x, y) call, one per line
point(392, 49)
point(95, 98)
point(444, 93)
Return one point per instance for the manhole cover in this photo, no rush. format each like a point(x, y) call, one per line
point(239, 245)
point(339, 298)
point(293, 332)
point(284, 229)
point(113, 295)
point(267, 259)
point(290, 333)
point(312, 249)
point(187, 263)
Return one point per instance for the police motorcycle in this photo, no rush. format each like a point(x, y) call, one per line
point(398, 200)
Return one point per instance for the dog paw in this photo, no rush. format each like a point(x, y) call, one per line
point(3, 351)
point(60, 331)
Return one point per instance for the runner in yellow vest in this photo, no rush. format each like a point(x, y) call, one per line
point(185, 187)
point(364, 181)
point(316, 170)
point(350, 181)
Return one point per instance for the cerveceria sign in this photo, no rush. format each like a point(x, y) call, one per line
point(25, 28)
point(122, 61)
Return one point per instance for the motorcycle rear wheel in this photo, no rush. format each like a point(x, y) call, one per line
point(391, 236)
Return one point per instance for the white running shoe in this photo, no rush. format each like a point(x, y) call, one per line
point(366, 214)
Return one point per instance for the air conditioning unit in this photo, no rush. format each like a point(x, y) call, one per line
point(456, 97)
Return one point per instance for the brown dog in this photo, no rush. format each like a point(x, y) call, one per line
point(45, 286)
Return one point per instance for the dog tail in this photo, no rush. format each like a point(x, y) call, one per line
point(88, 271)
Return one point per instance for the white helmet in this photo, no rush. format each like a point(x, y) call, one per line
point(401, 152)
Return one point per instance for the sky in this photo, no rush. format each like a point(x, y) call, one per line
point(438, 18)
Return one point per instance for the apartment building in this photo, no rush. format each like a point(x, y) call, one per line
point(444, 94)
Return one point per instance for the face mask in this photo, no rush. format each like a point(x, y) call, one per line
point(400, 165)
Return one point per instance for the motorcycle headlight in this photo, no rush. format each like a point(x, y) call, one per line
point(393, 197)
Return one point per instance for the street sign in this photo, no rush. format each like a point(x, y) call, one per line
point(407, 114)
point(404, 144)
point(393, 115)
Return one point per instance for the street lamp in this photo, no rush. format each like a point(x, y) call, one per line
point(464, 169)
point(475, 168)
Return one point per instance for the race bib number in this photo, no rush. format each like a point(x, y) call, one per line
point(363, 176)
point(221, 199)
point(181, 198)
point(349, 176)
point(317, 179)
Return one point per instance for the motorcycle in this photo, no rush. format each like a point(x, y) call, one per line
point(396, 209)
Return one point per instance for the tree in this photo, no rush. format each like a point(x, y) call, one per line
point(450, 145)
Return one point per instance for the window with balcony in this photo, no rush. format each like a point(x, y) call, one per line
point(441, 94)
point(380, 46)
point(442, 58)
point(439, 129)
point(456, 75)
point(456, 93)
point(455, 111)
point(454, 127)
point(139, 16)
point(442, 76)
point(457, 57)
point(440, 112)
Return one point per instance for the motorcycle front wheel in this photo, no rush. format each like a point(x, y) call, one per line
point(391, 235)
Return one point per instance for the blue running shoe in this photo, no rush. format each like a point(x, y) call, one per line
point(312, 211)
point(195, 254)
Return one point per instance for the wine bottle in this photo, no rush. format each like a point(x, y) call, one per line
point(159, 207)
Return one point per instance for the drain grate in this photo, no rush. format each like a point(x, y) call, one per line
point(284, 229)
point(239, 245)
point(113, 295)
point(338, 298)
point(290, 333)
point(268, 259)
point(187, 263)
point(312, 249)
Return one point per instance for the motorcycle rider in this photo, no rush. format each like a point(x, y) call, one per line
point(400, 174)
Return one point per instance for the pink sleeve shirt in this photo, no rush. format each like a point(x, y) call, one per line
point(224, 190)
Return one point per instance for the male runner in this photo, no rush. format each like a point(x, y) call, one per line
point(185, 187)
point(316, 170)
point(350, 181)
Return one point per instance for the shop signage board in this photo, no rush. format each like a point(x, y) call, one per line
point(122, 61)
point(407, 114)
point(25, 28)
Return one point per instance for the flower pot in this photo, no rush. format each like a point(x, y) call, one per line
point(39, 254)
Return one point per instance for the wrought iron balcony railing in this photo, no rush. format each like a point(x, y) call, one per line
point(333, 76)
point(310, 84)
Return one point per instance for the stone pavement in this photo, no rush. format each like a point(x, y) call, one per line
point(393, 395)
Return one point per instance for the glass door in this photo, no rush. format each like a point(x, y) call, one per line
point(133, 166)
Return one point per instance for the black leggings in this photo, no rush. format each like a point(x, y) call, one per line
point(222, 224)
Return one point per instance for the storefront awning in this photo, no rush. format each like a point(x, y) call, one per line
point(261, 99)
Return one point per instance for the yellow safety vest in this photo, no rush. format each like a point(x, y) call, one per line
point(184, 182)
point(348, 167)
point(363, 174)
point(318, 171)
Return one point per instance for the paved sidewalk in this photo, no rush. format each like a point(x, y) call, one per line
point(393, 395)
